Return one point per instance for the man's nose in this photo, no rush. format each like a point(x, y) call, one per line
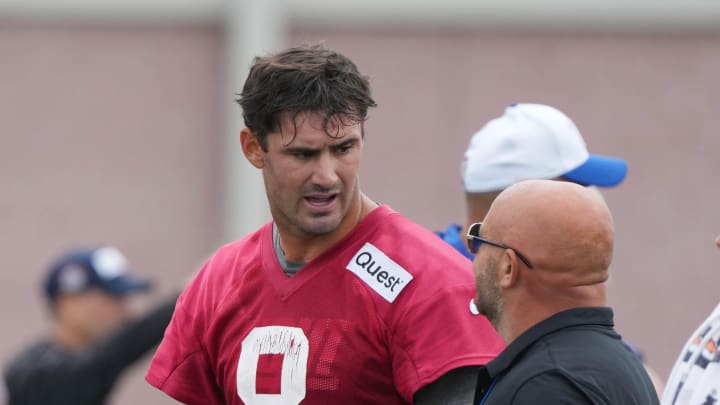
point(324, 172)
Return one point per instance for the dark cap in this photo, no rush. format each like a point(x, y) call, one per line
point(78, 270)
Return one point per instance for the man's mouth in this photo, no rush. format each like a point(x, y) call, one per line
point(320, 200)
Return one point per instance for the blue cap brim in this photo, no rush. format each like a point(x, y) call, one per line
point(125, 285)
point(601, 171)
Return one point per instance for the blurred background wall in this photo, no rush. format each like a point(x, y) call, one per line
point(117, 125)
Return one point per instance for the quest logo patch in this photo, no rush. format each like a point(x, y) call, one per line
point(379, 272)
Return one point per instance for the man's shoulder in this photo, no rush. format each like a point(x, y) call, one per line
point(220, 274)
point(250, 242)
point(434, 263)
point(568, 348)
point(238, 254)
point(39, 351)
point(577, 346)
point(404, 236)
point(595, 363)
point(42, 355)
point(393, 253)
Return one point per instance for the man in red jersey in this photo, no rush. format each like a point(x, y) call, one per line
point(338, 300)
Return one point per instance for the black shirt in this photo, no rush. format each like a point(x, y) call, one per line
point(573, 357)
point(49, 374)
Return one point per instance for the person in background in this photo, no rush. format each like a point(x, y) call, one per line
point(542, 259)
point(529, 141)
point(93, 337)
point(337, 300)
point(695, 377)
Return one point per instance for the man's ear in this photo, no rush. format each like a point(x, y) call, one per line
point(509, 273)
point(251, 148)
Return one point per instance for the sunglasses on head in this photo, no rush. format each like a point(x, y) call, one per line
point(474, 241)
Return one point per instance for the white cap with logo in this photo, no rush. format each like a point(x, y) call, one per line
point(534, 141)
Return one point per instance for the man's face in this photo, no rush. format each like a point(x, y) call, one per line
point(489, 300)
point(311, 178)
point(94, 313)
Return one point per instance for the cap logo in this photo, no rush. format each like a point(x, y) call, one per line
point(109, 263)
point(72, 278)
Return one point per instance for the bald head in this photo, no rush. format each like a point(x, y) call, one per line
point(562, 227)
point(565, 231)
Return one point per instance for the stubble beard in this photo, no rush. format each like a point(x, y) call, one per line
point(489, 302)
point(324, 224)
point(313, 227)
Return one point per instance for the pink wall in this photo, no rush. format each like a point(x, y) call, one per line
point(113, 134)
point(107, 135)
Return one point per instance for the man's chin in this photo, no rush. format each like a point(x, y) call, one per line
point(321, 226)
point(488, 310)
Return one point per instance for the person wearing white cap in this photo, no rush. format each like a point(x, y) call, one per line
point(528, 142)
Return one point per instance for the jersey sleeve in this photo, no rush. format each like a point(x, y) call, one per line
point(436, 334)
point(181, 367)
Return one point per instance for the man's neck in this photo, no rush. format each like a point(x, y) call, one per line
point(519, 318)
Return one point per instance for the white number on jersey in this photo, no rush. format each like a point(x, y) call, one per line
point(292, 344)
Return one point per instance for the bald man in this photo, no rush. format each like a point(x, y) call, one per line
point(546, 249)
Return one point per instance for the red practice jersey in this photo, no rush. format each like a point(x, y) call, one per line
point(371, 320)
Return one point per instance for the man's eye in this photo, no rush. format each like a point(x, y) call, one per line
point(344, 149)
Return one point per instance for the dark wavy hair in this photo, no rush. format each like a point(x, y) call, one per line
point(302, 79)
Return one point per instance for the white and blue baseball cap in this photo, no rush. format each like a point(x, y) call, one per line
point(534, 141)
point(103, 267)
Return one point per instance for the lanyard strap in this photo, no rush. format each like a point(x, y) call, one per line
point(487, 393)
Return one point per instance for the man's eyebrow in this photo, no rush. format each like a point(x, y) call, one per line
point(310, 150)
point(347, 142)
point(302, 149)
